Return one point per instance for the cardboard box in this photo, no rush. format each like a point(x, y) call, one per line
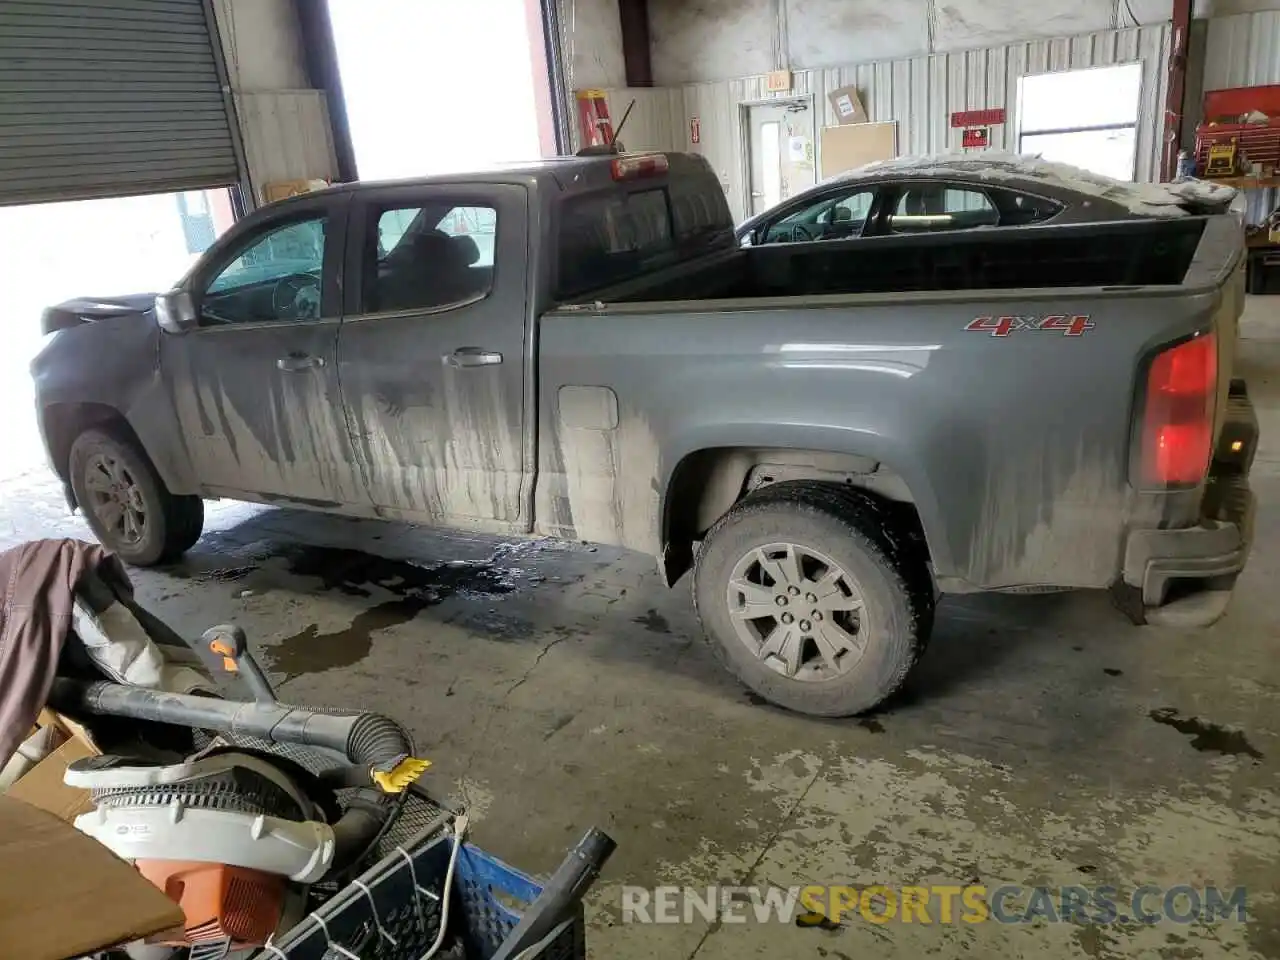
point(847, 105)
point(284, 189)
point(63, 894)
point(42, 786)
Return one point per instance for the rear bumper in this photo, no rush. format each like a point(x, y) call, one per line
point(1187, 575)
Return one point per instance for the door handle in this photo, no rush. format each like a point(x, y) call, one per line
point(472, 357)
point(298, 362)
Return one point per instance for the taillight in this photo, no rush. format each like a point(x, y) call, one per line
point(1177, 422)
point(641, 165)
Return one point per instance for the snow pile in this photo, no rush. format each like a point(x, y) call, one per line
point(1144, 199)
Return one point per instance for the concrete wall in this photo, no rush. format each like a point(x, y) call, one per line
point(262, 44)
point(701, 40)
point(284, 124)
point(592, 44)
point(710, 39)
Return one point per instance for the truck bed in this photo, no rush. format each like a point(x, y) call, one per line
point(1139, 253)
point(1012, 439)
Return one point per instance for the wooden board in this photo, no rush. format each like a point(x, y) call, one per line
point(851, 145)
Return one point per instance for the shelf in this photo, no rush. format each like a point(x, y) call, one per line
point(1246, 183)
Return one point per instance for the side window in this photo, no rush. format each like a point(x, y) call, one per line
point(275, 277)
point(831, 218)
point(852, 210)
point(429, 257)
point(1020, 209)
point(926, 207)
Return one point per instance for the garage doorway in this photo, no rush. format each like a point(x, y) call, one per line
point(780, 155)
point(101, 248)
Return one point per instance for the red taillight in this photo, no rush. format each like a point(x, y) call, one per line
point(642, 165)
point(1177, 424)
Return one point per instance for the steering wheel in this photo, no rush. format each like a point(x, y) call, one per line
point(800, 233)
point(296, 297)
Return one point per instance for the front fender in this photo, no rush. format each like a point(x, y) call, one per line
point(112, 365)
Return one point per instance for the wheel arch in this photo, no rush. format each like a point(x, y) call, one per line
point(64, 423)
point(707, 481)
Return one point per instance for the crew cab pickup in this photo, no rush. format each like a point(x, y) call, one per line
point(831, 433)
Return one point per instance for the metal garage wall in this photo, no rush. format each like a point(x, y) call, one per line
point(1243, 51)
point(109, 97)
point(287, 136)
point(921, 93)
point(657, 121)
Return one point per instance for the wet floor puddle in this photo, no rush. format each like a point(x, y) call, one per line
point(1205, 736)
point(413, 587)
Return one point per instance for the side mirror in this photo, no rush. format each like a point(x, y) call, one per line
point(176, 312)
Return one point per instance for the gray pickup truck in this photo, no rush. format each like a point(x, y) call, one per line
point(831, 434)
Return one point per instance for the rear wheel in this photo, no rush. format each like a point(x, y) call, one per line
point(125, 502)
point(808, 603)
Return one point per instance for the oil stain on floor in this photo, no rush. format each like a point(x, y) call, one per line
point(414, 588)
point(1205, 736)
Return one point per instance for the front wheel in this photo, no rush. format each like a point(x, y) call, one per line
point(808, 604)
point(126, 504)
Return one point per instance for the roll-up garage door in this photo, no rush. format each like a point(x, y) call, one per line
point(109, 98)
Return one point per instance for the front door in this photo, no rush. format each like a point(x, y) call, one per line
point(255, 384)
point(433, 352)
point(781, 153)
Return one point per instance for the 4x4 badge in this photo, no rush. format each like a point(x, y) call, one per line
point(1068, 326)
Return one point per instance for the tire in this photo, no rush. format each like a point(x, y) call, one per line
point(825, 529)
point(189, 527)
point(164, 525)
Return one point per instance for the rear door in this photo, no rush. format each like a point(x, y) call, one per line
point(255, 384)
point(432, 351)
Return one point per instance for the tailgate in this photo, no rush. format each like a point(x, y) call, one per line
point(1226, 323)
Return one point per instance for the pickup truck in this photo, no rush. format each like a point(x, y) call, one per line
point(831, 435)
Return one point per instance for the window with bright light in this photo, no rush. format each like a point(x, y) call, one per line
point(1088, 118)
point(771, 159)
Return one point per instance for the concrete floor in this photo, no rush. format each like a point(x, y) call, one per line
point(557, 687)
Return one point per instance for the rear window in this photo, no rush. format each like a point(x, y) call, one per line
point(1020, 209)
point(612, 236)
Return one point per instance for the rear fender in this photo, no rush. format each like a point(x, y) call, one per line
point(711, 470)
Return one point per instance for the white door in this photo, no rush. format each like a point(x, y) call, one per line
point(782, 152)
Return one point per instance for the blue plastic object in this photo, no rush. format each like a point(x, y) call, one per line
point(399, 915)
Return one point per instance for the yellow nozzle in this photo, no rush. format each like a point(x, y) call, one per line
point(401, 775)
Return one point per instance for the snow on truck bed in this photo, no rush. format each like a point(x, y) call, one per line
point(1144, 199)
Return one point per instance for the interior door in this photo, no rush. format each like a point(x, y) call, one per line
point(255, 385)
point(781, 152)
point(432, 352)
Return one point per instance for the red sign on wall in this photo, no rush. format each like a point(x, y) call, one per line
point(976, 138)
point(978, 118)
point(695, 130)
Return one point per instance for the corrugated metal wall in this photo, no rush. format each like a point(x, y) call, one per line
point(287, 136)
point(657, 121)
point(1243, 51)
point(919, 93)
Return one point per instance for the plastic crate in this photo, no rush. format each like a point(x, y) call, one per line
point(392, 912)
